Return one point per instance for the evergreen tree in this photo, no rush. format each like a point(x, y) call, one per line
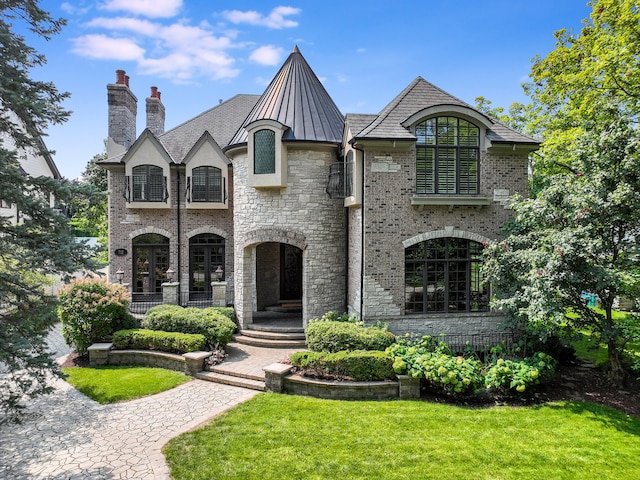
point(40, 244)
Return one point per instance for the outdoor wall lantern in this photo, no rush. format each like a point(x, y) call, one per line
point(120, 276)
point(170, 273)
point(219, 272)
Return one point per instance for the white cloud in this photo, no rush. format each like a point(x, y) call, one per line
point(361, 50)
point(142, 27)
point(73, 9)
point(266, 55)
point(147, 8)
point(275, 19)
point(107, 48)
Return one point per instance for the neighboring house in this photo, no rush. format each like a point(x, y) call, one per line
point(33, 163)
point(384, 216)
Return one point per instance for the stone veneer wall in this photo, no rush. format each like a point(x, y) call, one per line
point(123, 107)
point(391, 220)
point(127, 223)
point(302, 214)
point(354, 260)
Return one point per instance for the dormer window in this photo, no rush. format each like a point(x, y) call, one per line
point(148, 184)
point(267, 154)
point(264, 151)
point(447, 156)
point(207, 185)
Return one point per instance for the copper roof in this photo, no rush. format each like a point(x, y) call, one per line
point(297, 99)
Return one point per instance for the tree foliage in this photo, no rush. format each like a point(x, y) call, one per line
point(578, 234)
point(40, 244)
point(573, 87)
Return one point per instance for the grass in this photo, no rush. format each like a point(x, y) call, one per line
point(112, 384)
point(287, 437)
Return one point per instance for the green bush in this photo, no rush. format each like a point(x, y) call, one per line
point(214, 324)
point(92, 309)
point(173, 342)
point(358, 365)
point(518, 374)
point(332, 336)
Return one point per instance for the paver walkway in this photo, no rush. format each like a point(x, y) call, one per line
point(66, 435)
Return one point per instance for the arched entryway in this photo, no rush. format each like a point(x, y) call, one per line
point(150, 264)
point(206, 256)
point(278, 277)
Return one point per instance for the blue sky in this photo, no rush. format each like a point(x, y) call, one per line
point(198, 52)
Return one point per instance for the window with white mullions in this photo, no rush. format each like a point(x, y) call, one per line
point(447, 156)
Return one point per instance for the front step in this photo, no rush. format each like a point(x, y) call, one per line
point(269, 343)
point(233, 380)
point(273, 334)
point(274, 328)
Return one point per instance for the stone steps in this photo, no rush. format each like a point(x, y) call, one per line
point(273, 334)
point(233, 380)
point(270, 342)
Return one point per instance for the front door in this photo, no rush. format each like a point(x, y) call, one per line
point(290, 272)
point(206, 254)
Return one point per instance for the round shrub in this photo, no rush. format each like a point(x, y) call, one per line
point(517, 375)
point(91, 309)
point(332, 336)
point(358, 365)
point(216, 326)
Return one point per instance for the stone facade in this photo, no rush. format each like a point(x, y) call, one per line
point(295, 232)
point(301, 215)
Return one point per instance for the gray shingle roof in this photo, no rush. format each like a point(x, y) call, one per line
point(221, 121)
point(417, 96)
point(297, 99)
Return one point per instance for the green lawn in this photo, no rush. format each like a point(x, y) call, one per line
point(287, 437)
point(115, 384)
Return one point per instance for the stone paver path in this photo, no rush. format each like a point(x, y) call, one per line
point(66, 435)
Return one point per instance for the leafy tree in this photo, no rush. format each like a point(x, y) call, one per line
point(89, 212)
point(41, 243)
point(579, 234)
point(573, 87)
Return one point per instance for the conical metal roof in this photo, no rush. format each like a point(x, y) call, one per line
point(297, 99)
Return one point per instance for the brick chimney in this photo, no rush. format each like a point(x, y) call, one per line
point(123, 107)
point(155, 112)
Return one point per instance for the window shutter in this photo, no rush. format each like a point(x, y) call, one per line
point(224, 190)
point(127, 188)
point(188, 192)
point(166, 190)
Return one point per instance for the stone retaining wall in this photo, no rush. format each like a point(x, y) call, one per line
point(189, 363)
point(279, 379)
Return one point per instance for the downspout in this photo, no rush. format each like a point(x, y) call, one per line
point(361, 236)
point(178, 221)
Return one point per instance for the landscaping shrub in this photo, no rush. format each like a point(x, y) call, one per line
point(172, 342)
point(518, 374)
point(214, 324)
point(358, 365)
point(333, 336)
point(91, 309)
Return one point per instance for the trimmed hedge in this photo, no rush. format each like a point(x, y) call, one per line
point(332, 336)
point(214, 322)
point(358, 365)
point(172, 342)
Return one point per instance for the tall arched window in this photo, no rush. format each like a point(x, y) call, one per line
point(264, 151)
point(150, 264)
point(447, 156)
point(443, 275)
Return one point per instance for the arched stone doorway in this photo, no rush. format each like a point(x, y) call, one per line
point(278, 276)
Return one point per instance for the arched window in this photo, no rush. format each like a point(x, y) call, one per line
point(207, 185)
point(443, 275)
point(447, 156)
point(264, 151)
point(149, 184)
point(150, 264)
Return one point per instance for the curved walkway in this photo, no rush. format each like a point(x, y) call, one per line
point(66, 435)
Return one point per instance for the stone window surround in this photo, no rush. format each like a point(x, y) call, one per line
point(200, 156)
point(158, 161)
point(268, 180)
